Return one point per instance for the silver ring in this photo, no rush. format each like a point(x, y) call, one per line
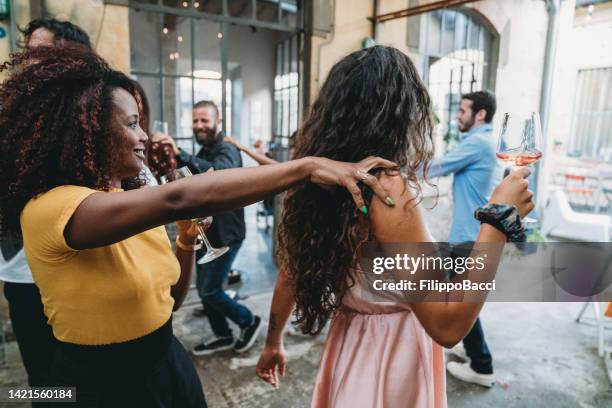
point(363, 174)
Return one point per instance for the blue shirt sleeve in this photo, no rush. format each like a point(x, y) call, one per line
point(466, 153)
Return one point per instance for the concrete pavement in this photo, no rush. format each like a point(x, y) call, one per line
point(542, 358)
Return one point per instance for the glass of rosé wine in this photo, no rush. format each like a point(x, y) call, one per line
point(520, 142)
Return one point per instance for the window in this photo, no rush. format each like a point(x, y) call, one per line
point(180, 54)
point(172, 77)
point(454, 53)
point(284, 15)
point(591, 129)
point(286, 101)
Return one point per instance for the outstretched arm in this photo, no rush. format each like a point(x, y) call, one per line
point(125, 214)
point(464, 154)
point(261, 159)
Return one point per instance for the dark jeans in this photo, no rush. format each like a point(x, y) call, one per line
point(474, 342)
point(34, 336)
point(477, 350)
point(220, 307)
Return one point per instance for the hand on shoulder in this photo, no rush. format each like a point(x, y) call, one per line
point(402, 223)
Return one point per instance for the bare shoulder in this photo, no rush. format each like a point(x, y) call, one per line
point(402, 223)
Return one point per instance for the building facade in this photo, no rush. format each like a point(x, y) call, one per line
point(241, 54)
point(263, 61)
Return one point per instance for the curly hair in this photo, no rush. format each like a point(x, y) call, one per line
point(373, 103)
point(62, 30)
point(57, 125)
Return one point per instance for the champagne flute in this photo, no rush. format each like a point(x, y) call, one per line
point(520, 143)
point(202, 223)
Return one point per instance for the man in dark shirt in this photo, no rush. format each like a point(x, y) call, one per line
point(227, 229)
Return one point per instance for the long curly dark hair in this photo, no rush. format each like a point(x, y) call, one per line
point(373, 103)
point(57, 125)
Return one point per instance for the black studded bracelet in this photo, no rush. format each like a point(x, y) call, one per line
point(504, 218)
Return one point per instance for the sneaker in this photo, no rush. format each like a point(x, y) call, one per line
point(248, 335)
point(233, 277)
point(294, 331)
point(199, 312)
point(464, 372)
point(459, 352)
point(213, 345)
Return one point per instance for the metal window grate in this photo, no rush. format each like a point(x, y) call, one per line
point(286, 100)
point(455, 51)
point(180, 54)
point(282, 15)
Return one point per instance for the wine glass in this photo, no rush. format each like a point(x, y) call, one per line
point(160, 127)
point(202, 223)
point(520, 143)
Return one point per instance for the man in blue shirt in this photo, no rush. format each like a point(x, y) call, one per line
point(476, 172)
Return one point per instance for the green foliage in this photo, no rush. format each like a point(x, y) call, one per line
point(535, 235)
point(451, 138)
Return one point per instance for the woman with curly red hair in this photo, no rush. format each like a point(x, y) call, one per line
point(72, 154)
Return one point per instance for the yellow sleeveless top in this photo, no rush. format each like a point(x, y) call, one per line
point(97, 296)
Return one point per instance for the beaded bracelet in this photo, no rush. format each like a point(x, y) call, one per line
point(190, 248)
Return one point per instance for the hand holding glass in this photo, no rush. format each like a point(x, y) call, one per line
point(160, 127)
point(520, 142)
point(202, 223)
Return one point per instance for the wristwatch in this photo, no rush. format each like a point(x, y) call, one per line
point(504, 218)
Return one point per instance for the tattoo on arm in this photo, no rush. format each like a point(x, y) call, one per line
point(272, 324)
point(272, 327)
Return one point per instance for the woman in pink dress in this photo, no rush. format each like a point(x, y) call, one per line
point(377, 355)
